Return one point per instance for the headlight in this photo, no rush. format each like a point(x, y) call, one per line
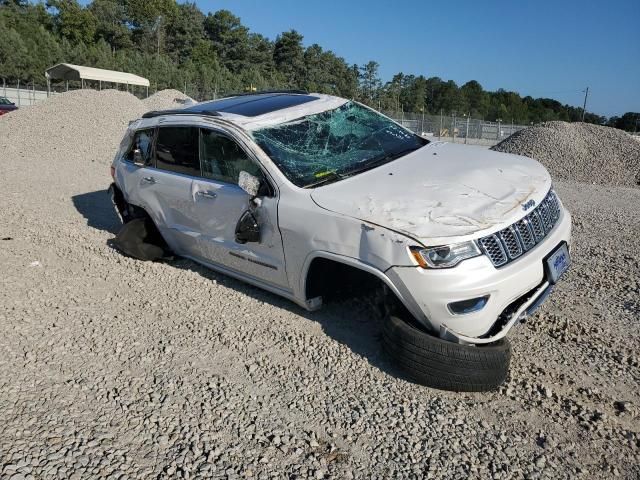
point(445, 256)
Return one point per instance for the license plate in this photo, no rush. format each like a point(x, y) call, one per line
point(557, 263)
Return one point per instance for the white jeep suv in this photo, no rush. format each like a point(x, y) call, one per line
point(308, 194)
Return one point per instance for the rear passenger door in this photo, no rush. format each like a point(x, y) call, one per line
point(166, 189)
point(219, 204)
point(138, 162)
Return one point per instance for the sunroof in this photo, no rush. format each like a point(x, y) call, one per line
point(254, 105)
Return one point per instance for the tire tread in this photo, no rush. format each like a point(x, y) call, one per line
point(437, 363)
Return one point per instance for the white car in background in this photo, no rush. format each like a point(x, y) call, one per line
point(310, 196)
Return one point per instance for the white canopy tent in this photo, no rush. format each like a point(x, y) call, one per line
point(67, 71)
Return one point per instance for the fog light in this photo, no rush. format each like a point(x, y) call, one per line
point(468, 306)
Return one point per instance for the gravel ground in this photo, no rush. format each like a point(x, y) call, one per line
point(580, 152)
point(116, 368)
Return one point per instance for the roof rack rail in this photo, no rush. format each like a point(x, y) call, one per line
point(262, 92)
point(180, 111)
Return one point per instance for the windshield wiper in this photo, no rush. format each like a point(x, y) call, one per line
point(328, 177)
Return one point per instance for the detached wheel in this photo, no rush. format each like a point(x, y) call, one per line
point(139, 238)
point(437, 363)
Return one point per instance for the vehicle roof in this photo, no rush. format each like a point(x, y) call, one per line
point(257, 110)
point(253, 105)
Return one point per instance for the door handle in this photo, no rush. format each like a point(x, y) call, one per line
point(149, 180)
point(206, 194)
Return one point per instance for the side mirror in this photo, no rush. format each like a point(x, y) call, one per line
point(137, 157)
point(247, 229)
point(249, 183)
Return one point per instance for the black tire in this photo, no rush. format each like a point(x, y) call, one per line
point(437, 363)
point(139, 238)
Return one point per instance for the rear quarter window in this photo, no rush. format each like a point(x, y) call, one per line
point(141, 145)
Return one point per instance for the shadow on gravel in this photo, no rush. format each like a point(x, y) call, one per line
point(353, 323)
point(97, 208)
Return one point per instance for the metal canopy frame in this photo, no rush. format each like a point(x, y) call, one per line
point(68, 71)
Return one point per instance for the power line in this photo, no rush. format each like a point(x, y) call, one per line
point(556, 92)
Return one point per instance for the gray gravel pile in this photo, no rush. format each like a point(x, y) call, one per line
point(77, 127)
point(580, 152)
point(165, 99)
point(116, 368)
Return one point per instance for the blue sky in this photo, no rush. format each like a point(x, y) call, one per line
point(539, 48)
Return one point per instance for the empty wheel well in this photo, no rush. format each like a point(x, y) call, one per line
point(127, 210)
point(336, 281)
point(130, 212)
point(333, 280)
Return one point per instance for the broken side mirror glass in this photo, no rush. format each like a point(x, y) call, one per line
point(247, 229)
point(249, 183)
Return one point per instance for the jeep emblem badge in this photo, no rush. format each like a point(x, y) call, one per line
point(528, 205)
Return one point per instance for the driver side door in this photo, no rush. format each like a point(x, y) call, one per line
point(219, 204)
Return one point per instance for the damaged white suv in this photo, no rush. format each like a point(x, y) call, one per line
point(308, 195)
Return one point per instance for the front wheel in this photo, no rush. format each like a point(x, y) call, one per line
point(437, 363)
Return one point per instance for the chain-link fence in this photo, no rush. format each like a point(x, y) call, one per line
point(456, 128)
point(452, 128)
point(22, 94)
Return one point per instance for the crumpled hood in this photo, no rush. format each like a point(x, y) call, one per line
point(441, 193)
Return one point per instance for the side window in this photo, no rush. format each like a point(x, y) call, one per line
point(177, 150)
point(223, 159)
point(140, 151)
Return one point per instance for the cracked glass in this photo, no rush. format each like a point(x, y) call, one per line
point(332, 145)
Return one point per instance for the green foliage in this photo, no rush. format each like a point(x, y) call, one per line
point(630, 122)
point(288, 56)
point(73, 22)
point(185, 32)
point(145, 13)
point(229, 38)
point(369, 80)
point(176, 45)
point(111, 23)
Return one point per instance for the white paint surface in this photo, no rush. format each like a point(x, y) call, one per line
point(441, 192)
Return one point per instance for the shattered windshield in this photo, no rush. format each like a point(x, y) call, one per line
point(335, 144)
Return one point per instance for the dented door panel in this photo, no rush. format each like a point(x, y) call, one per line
point(167, 198)
point(219, 213)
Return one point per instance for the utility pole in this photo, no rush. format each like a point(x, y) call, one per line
point(584, 107)
point(466, 135)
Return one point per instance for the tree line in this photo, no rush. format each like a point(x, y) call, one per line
point(176, 45)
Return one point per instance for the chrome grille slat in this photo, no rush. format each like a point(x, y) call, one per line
point(512, 242)
point(538, 227)
point(494, 250)
point(544, 213)
point(555, 208)
point(525, 233)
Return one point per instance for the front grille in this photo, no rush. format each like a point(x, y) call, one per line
point(512, 242)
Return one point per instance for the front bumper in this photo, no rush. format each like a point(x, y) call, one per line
point(427, 293)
